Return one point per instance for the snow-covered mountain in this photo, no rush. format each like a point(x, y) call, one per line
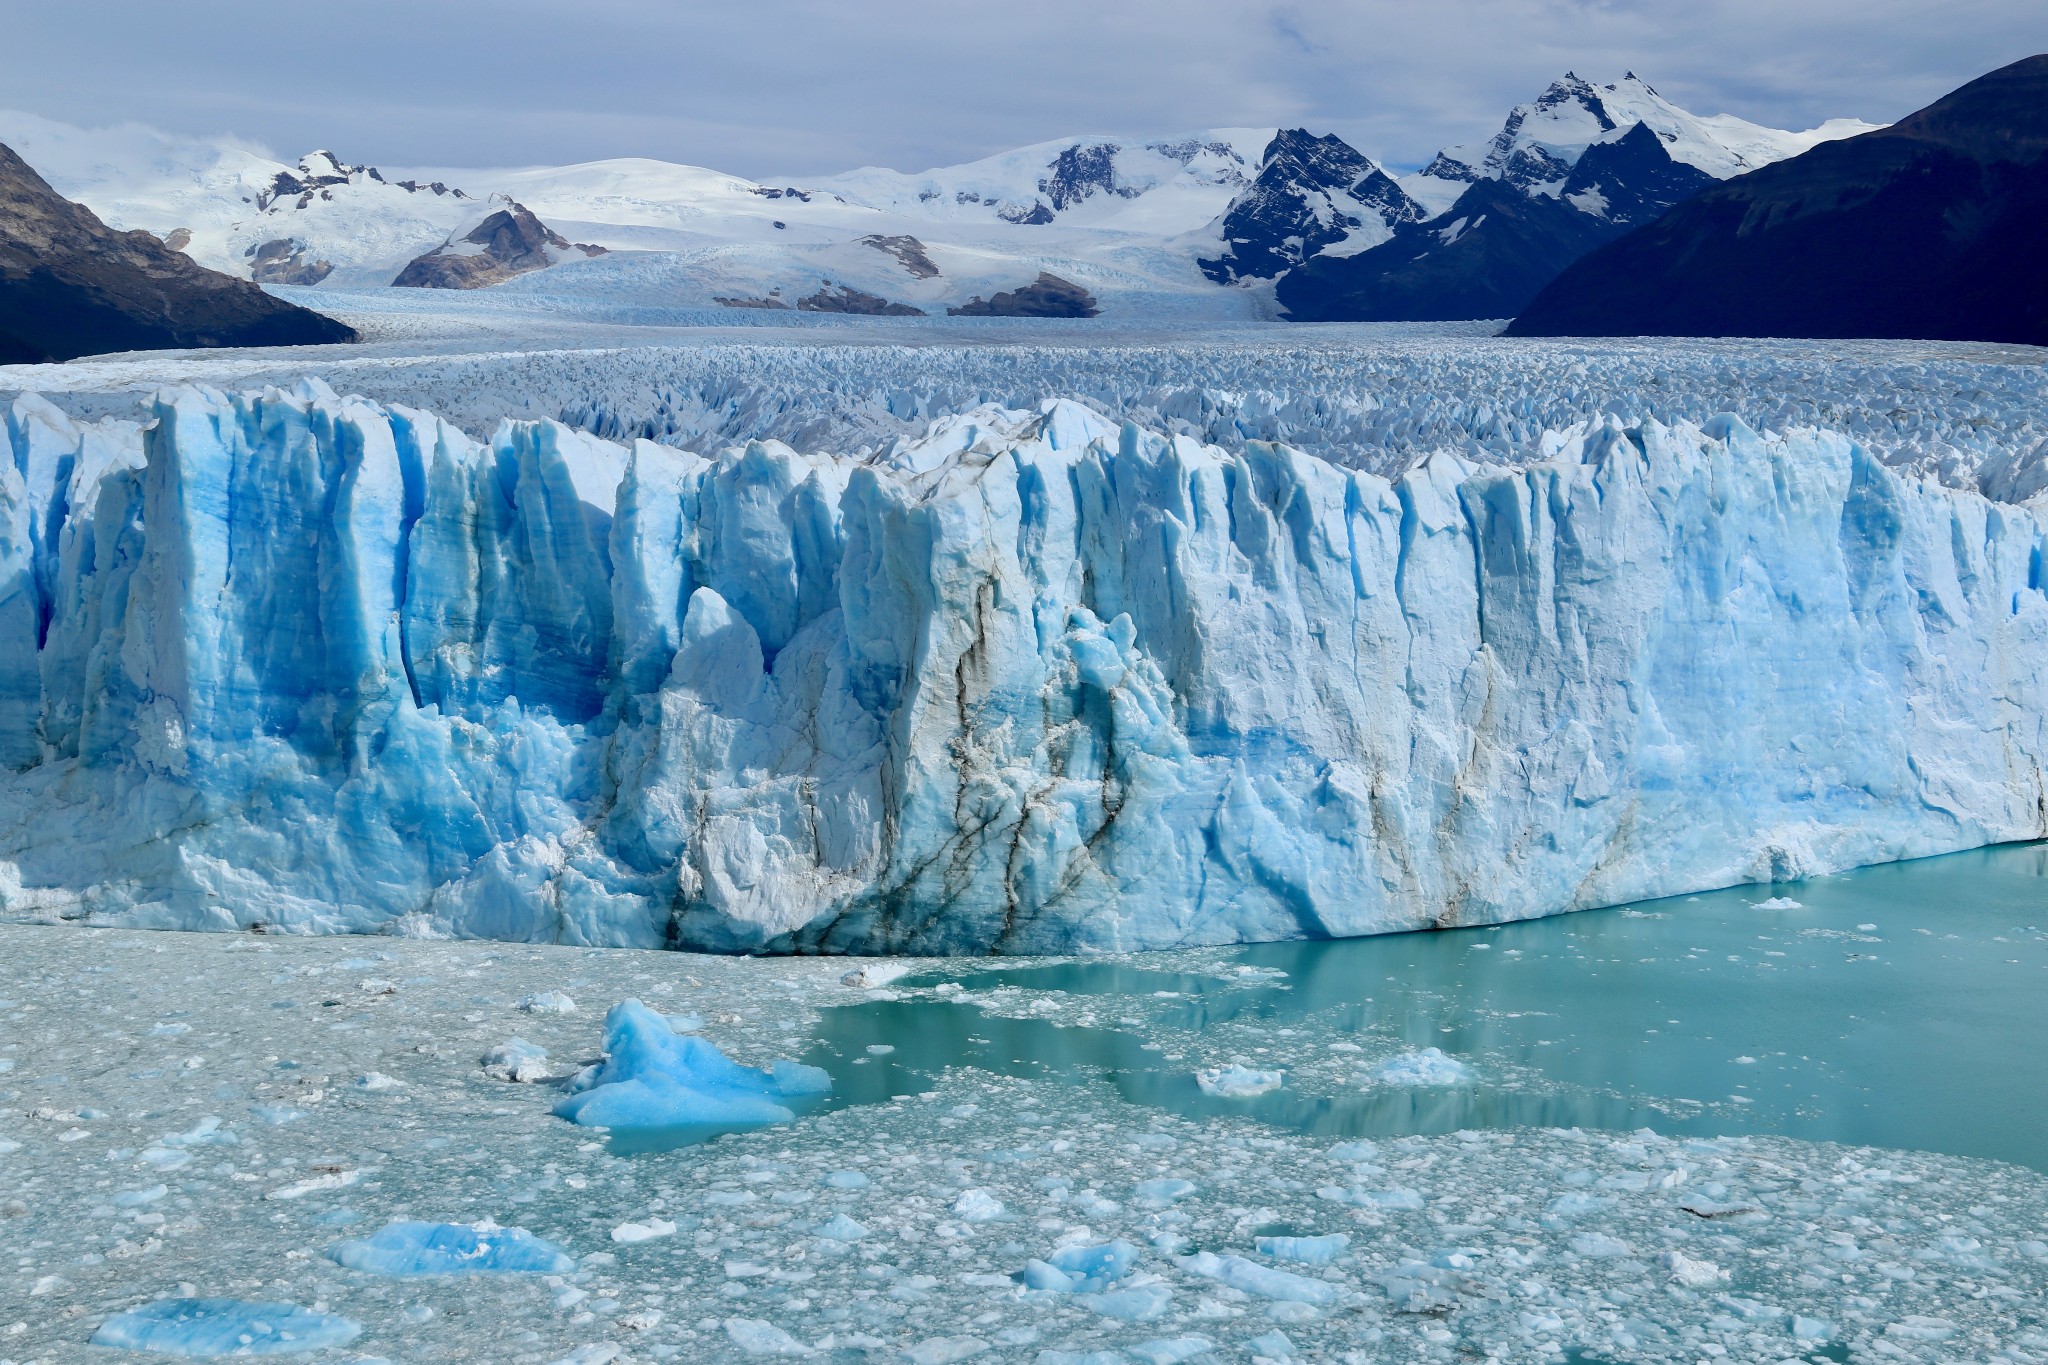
point(1542, 140)
point(1580, 166)
point(1138, 226)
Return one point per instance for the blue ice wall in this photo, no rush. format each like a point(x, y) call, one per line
point(1031, 683)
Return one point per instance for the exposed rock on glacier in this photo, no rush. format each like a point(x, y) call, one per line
point(1031, 683)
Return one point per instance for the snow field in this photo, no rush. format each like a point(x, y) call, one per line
point(1510, 1246)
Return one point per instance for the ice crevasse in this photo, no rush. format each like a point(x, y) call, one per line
point(1030, 683)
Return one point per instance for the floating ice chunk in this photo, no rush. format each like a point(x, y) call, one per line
point(169, 1030)
point(597, 1353)
point(135, 1199)
point(1139, 1301)
point(1355, 1151)
point(1920, 1327)
point(205, 1133)
point(1238, 1082)
point(1159, 1193)
point(1812, 1329)
point(758, 1338)
point(1779, 903)
point(653, 1077)
point(631, 1233)
point(1050, 1357)
point(408, 1249)
point(847, 1180)
point(1305, 1250)
point(1253, 1278)
point(874, 975)
point(516, 1060)
point(1399, 1197)
point(1431, 1066)
point(1171, 1351)
point(204, 1328)
point(1599, 1246)
point(1274, 1345)
point(546, 1002)
point(1092, 1267)
point(1574, 1204)
point(377, 1080)
point(944, 1350)
point(277, 1115)
point(840, 1228)
point(313, 1184)
point(338, 1218)
point(1689, 1272)
point(978, 1206)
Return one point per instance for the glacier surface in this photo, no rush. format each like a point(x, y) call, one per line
point(1031, 682)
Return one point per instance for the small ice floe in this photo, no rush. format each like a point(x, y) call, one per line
point(546, 1002)
point(653, 1077)
point(1162, 1192)
point(1304, 1250)
point(314, 1184)
point(1778, 903)
point(978, 1206)
point(1253, 1278)
point(276, 1115)
point(1599, 1246)
point(1431, 1066)
point(1244, 972)
point(875, 975)
point(377, 985)
point(412, 1249)
point(1354, 1152)
point(516, 1060)
point(1079, 1269)
point(174, 1150)
point(846, 1180)
point(1434, 1285)
point(169, 1030)
point(840, 1228)
point(1684, 1270)
point(758, 1338)
point(135, 1199)
point(633, 1233)
point(205, 1328)
point(1400, 1197)
point(1171, 1350)
point(377, 1080)
point(1237, 1081)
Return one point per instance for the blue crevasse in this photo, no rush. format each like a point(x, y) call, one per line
point(1032, 683)
point(654, 1077)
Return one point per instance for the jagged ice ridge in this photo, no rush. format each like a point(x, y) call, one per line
point(1033, 683)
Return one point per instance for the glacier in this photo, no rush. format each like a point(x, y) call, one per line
point(1032, 681)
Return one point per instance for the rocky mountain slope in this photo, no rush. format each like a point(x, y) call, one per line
point(1581, 165)
point(509, 241)
point(1936, 227)
point(71, 286)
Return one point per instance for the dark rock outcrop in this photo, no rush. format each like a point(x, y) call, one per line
point(72, 286)
point(908, 253)
point(1935, 228)
point(840, 298)
point(1309, 193)
point(1048, 296)
point(283, 260)
point(1490, 253)
point(508, 243)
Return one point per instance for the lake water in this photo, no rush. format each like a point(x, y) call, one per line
point(1896, 1006)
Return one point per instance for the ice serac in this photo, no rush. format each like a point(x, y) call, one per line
point(1033, 682)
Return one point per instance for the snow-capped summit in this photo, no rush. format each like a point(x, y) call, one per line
point(1311, 195)
point(1541, 141)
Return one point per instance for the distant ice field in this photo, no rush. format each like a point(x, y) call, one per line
point(1380, 397)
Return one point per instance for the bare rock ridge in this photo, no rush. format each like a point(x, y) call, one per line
point(1048, 296)
point(1310, 193)
point(507, 243)
point(1935, 228)
point(907, 252)
point(71, 286)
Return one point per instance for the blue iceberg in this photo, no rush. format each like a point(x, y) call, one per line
point(408, 1249)
point(654, 1077)
point(205, 1328)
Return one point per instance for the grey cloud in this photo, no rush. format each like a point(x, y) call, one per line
point(807, 86)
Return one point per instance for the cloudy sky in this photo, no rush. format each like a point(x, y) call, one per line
point(808, 86)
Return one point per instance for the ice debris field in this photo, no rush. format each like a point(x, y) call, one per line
point(1030, 680)
point(196, 1160)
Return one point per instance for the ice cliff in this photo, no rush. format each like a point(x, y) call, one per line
point(1029, 683)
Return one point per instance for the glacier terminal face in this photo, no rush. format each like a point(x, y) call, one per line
point(1032, 683)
